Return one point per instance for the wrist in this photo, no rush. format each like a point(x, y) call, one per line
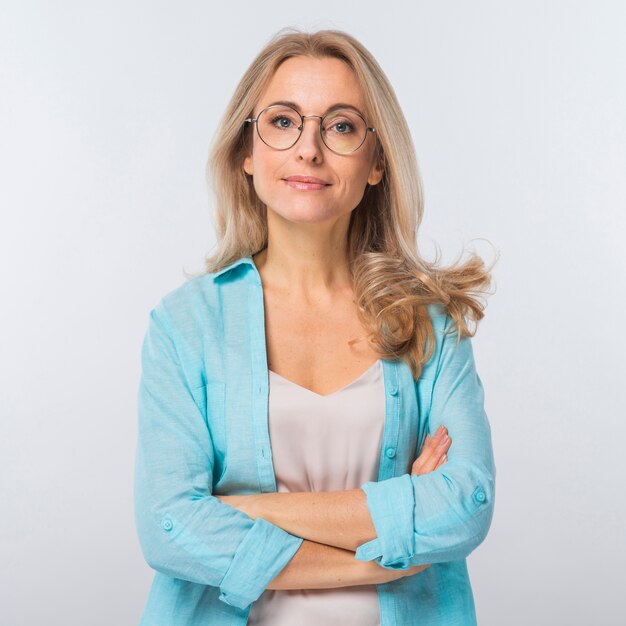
point(377, 574)
point(242, 503)
point(250, 505)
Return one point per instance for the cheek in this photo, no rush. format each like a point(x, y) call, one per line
point(357, 178)
point(265, 177)
point(266, 162)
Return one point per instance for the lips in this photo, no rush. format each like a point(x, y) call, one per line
point(307, 179)
point(306, 183)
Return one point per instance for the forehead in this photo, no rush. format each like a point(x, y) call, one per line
point(313, 84)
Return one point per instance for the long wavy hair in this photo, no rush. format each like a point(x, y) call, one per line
point(392, 282)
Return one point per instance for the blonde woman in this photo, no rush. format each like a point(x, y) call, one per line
point(313, 447)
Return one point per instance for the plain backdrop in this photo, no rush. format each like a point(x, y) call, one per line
point(107, 111)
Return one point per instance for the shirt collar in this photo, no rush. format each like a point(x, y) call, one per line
point(227, 268)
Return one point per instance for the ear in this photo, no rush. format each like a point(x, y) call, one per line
point(247, 165)
point(376, 174)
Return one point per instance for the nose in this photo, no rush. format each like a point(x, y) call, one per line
point(310, 143)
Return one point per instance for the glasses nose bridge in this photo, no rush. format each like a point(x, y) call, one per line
point(304, 117)
point(319, 129)
point(301, 129)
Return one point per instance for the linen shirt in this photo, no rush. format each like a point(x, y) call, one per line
point(203, 431)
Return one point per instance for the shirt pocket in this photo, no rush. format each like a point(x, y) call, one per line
point(215, 393)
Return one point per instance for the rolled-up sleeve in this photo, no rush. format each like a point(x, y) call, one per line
point(184, 531)
point(444, 515)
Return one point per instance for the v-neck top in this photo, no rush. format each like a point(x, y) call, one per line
point(324, 443)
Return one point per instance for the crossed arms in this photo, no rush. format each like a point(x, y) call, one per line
point(309, 540)
point(333, 524)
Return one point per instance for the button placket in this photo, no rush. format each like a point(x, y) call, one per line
point(260, 382)
point(390, 433)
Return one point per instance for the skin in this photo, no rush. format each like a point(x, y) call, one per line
point(306, 258)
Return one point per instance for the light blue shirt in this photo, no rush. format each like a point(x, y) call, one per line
point(203, 431)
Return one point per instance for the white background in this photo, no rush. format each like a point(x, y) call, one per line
point(517, 114)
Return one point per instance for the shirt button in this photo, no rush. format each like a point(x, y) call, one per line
point(390, 452)
point(393, 391)
point(167, 524)
point(479, 495)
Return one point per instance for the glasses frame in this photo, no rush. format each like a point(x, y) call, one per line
point(301, 127)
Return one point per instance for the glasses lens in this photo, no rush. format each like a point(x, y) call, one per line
point(279, 126)
point(343, 132)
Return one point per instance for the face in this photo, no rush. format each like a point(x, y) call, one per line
point(314, 85)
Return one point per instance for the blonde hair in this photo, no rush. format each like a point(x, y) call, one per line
point(392, 282)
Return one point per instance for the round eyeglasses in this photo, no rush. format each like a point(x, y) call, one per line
point(280, 126)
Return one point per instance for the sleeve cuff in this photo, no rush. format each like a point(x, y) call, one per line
point(391, 504)
point(263, 553)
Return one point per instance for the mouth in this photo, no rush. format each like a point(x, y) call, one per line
point(306, 183)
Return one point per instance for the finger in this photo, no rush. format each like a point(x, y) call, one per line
point(434, 440)
point(441, 432)
point(443, 459)
point(431, 459)
point(428, 449)
point(430, 453)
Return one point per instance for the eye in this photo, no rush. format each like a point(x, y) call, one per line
point(280, 119)
point(342, 127)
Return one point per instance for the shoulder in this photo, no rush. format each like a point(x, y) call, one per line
point(190, 310)
point(193, 296)
point(441, 321)
point(439, 317)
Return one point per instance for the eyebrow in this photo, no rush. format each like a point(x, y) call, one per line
point(337, 105)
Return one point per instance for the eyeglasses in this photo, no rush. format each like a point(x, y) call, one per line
point(279, 126)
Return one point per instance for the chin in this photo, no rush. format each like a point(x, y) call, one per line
point(303, 214)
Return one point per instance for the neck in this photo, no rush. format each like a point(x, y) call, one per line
point(305, 260)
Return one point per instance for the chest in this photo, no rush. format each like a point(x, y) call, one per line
point(320, 348)
point(249, 330)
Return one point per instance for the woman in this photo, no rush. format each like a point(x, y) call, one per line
point(276, 478)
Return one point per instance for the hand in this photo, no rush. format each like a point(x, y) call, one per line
point(433, 454)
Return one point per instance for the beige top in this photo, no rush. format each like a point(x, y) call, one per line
point(324, 443)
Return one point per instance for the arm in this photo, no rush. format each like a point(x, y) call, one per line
point(446, 513)
point(334, 518)
point(319, 566)
point(184, 531)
